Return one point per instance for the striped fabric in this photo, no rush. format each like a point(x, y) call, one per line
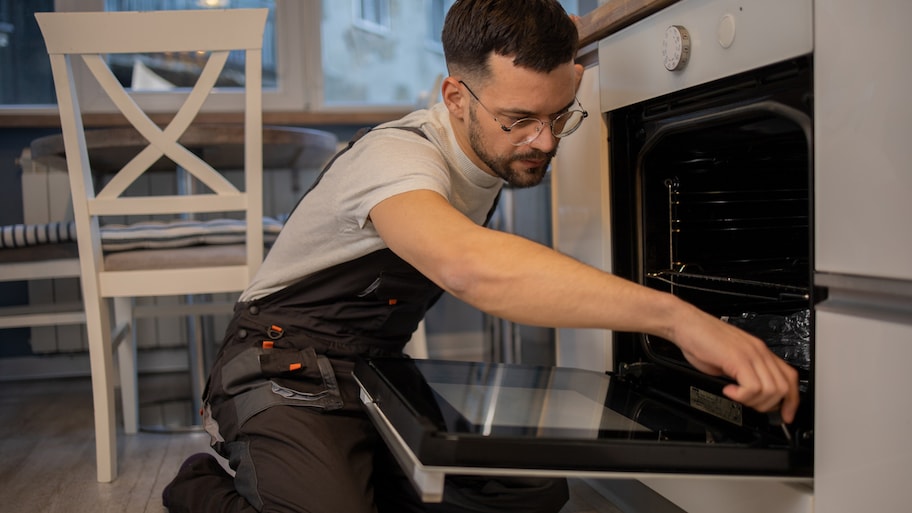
point(20, 235)
point(144, 235)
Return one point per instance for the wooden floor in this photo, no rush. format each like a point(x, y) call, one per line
point(47, 454)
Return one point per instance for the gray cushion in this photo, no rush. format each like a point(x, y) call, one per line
point(193, 256)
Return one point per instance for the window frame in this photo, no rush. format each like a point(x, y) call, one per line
point(382, 27)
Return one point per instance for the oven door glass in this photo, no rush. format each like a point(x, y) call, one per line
point(490, 415)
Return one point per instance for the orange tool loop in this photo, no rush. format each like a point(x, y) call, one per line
point(295, 366)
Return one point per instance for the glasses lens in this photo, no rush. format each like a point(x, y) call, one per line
point(524, 130)
point(567, 123)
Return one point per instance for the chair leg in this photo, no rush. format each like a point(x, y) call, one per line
point(197, 360)
point(101, 359)
point(126, 359)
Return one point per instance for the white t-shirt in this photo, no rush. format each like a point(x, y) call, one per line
point(330, 225)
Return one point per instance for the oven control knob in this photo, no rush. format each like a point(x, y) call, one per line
point(676, 47)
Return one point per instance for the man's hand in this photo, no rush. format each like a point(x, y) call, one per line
point(763, 380)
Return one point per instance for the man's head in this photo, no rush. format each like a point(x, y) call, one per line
point(536, 34)
point(510, 61)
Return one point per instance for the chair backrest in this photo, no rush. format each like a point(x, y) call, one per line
point(91, 37)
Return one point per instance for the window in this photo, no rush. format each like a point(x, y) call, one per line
point(22, 51)
point(174, 71)
point(365, 65)
point(436, 14)
point(318, 54)
point(373, 15)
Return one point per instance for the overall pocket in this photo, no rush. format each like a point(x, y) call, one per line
point(258, 378)
point(301, 375)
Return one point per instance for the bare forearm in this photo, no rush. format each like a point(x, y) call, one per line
point(531, 284)
point(515, 278)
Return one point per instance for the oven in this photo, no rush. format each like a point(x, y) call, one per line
point(711, 201)
point(709, 112)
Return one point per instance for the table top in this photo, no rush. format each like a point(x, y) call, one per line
point(220, 145)
point(614, 15)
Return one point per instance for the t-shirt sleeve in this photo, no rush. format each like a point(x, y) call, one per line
point(383, 165)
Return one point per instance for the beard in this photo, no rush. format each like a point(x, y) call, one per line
point(506, 167)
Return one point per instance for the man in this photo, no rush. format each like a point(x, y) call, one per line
point(392, 222)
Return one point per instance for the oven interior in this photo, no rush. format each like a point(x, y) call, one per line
point(711, 194)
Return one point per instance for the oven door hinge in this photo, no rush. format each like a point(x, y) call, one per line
point(634, 372)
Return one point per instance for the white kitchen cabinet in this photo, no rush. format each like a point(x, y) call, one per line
point(581, 218)
point(863, 182)
point(864, 414)
point(863, 128)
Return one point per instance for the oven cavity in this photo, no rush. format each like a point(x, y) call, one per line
point(725, 222)
point(711, 198)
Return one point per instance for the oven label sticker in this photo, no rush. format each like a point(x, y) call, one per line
point(716, 405)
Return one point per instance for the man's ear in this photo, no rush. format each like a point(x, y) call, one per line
point(578, 68)
point(455, 98)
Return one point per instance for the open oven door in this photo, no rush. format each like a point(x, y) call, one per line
point(451, 417)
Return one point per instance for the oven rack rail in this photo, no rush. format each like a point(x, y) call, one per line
point(739, 287)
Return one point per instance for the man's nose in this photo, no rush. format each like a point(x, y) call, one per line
point(544, 141)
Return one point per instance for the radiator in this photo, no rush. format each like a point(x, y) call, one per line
point(46, 198)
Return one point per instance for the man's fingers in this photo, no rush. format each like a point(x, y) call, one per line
point(767, 386)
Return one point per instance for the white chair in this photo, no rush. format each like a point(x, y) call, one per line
point(89, 38)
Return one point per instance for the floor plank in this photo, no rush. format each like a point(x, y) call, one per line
point(48, 453)
point(48, 448)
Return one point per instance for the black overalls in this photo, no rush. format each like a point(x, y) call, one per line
point(296, 347)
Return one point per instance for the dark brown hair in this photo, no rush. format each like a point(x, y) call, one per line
point(538, 34)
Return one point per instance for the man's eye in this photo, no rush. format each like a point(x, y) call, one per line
point(524, 122)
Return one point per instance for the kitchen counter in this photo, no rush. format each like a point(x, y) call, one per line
point(615, 15)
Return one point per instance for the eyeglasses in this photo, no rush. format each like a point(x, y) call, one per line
point(526, 130)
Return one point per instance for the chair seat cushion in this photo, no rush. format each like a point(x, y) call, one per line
point(39, 253)
point(141, 235)
point(177, 234)
point(21, 235)
point(192, 256)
